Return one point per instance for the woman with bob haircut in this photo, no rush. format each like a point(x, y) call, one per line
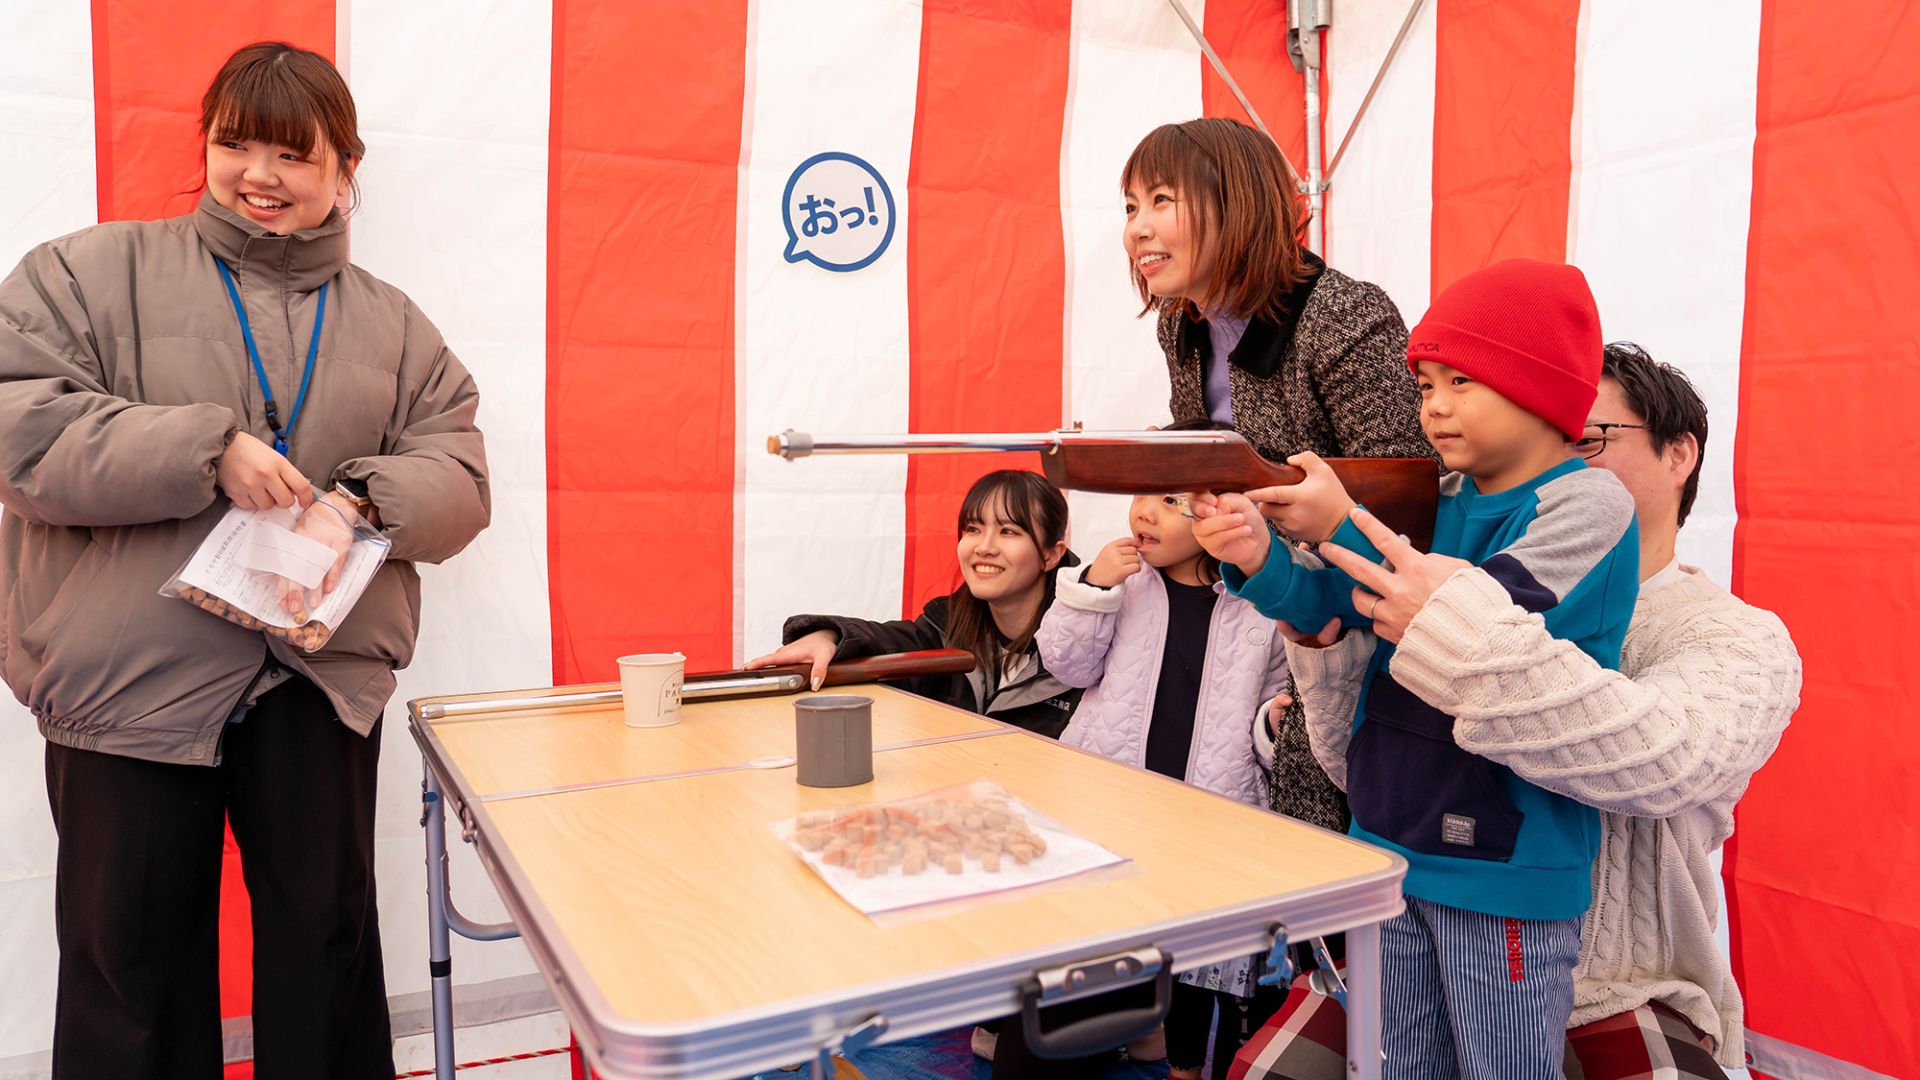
point(153, 376)
point(1261, 334)
point(1258, 331)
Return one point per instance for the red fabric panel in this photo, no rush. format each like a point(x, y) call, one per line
point(1502, 132)
point(986, 260)
point(1824, 877)
point(151, 64)
point(1251, 38)
point(640, 352)
point(236, 934)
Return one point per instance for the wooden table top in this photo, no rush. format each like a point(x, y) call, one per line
point(532, 750)
point(681, 904)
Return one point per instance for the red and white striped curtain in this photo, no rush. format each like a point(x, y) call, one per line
point(587, 196)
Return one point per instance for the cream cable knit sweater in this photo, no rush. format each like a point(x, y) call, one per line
point(1664, 750)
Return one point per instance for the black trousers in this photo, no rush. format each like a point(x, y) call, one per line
point(137, 895)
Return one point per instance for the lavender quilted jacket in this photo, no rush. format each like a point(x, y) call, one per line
point(1111, 641)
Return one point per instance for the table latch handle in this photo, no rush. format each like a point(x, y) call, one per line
point(1096, 1033)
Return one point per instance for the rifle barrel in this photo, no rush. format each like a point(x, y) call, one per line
point(791, 444)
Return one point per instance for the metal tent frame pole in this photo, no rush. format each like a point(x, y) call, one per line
point(1305, 21)
point(1306, 48)
point(1220, 69)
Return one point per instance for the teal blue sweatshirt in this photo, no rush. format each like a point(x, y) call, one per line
point(1475, 836)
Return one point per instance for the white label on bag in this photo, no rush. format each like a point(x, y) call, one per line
point(269, 547)
point(223, 565)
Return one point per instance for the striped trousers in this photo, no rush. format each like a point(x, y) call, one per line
point(1468, 996)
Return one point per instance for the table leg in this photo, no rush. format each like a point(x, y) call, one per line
point(1363, 1002)
point(439, 935)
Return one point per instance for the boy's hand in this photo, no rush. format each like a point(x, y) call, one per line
point(814, 650)
point(1230, 529)
point(1116, 562)
point(1311, 509)
point(1391, 597)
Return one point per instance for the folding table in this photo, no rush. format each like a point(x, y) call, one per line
point(683, 939)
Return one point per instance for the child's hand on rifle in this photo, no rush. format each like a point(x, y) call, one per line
point(1229, 527)
point(1116, 562)
point(1311, 509)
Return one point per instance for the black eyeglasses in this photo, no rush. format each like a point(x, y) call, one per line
point(1593, 441)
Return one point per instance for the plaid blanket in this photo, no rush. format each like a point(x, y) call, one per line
point(1307, 1039)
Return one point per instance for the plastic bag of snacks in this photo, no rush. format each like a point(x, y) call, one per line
point(292, 573)
point(959, 841)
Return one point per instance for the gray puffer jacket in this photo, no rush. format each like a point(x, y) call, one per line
point(123, 377)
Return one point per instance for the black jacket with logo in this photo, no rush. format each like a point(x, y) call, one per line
point(1028, 696)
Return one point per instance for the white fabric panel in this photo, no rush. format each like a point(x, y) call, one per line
point(29, 956)
point(46, 126)
point(1663, 181)
point(25, 820)
point(1380, 208)
point(454, 110)
point(46, 139)
point(1663, 173)
point(818, 350)
point(1132, 68)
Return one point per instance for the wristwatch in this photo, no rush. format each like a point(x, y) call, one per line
point(356, 493)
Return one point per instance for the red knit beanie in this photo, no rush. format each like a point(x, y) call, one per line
point(1526, 328)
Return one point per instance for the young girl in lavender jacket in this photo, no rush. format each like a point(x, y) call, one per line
point(1174, 667)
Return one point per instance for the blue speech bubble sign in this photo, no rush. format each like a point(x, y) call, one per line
point(838, 211)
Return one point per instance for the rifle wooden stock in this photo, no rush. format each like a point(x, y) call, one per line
point(705, 685)
point(863, 669)
point(904, 665)
point(1403, 493)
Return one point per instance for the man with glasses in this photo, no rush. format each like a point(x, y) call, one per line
point(1664, 747)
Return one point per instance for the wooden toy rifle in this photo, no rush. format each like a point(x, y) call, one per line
point(710, 685)
point(1401, 492)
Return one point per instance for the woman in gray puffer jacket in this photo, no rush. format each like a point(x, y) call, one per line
point(154, 375)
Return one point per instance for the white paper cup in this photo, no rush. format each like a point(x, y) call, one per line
point(650, 685)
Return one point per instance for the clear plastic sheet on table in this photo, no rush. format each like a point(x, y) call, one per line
point(293, 573)
point(967, 840)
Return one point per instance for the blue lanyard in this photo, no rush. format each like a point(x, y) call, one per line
point(280, 434)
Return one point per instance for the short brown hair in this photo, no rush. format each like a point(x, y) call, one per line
point(1667, 403)
point(1240, 206)
point(277, 93)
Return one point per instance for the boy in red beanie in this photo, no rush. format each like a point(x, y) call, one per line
point(1478, 971)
